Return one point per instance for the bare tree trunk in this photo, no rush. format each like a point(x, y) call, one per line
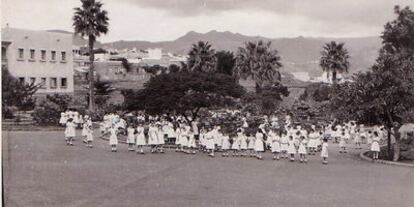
point(91, 75)
point(389, 143)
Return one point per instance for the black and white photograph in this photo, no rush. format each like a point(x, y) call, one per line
point(207, 103)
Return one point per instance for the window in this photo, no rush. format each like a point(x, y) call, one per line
point(32, 80)
point(32, 54)
point(53, 55)
point(63, 56)
point(21, 79)
point(63, 82)
point(21, 53)
point(43, 82)
point(53, 82)
point(43, 55)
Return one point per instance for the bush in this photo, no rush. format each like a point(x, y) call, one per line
point(48, 111)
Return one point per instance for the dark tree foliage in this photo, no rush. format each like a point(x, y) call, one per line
point(266, 101)
point(173, 68)
point(201, 57)
point(103, 89)
point(317, 91)
point(225, 62)
point(184, 93)
point(15, 93)
point(48, 111)
point(155, 69)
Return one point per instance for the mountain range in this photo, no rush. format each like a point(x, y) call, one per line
point(299, 54)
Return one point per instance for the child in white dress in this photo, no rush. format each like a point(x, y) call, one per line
point(153, 137)
point(225, 145)
point(140, 139)
point(243, 143)
point(302, 149)
point(70, 131)
point(324, 151)
point(89, 131)
point(177, 138)
point(130, 137)
point(284, 145)
point(375, 147)
point(161, 134)
point(235, 146)
point(113, 138)
point(342, 142)
point(250, 147)
point(291, 149)
point(191, 142)
point(275, 144)
point(258, 144)
point(209, 136)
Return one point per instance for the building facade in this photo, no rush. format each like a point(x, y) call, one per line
point(39, 57)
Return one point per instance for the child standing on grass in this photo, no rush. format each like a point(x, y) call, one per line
point(113, 138)
point(161, 137)
point(131, 137)
point(70, 131)
point(209, 137)
point(324, 151)
point(302, 149)
point(140, 139)
point(375, 147)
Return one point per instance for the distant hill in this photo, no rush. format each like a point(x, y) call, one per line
point(299, 54)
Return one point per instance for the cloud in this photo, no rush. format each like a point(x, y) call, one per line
point(366, 12)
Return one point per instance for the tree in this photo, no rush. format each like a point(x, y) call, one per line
point(225, 62)
point(16, 93)
point(384, 95)
point(184, 93)
point(91, 20)
point(266, 101)
point(258, 61)
point(201, 57)
point(334, 59)
point(102, 91)
point(173, 68)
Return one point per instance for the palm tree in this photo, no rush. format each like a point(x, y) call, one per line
point(334, 59)
point(201, 57)
point(259, 62)
point(90, 20)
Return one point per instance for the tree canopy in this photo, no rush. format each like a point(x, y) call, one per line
point(258, 61)
point(184, 93)
point(384, 94)
point(202, 57)
point(334, 59)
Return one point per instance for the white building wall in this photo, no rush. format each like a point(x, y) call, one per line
point(37, 68)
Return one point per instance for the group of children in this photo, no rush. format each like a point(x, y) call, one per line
point(285, 140)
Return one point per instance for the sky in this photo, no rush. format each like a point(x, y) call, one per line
point(163, 20)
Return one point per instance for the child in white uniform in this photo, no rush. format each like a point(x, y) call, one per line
point(375, 147)
point(275, 144)
point(291, 149)
point(130, 137)
point(153, 137)
point(324, 151)
point(161, 137)
point(70, 131)
point(191, 142)
point(302, 149)
point(243, 143)
point(342, 142)
point(250, 147)
point(284, 145)
point(140, 139)
point(209, 136)
point(258, 144)
point(113, 138)
point(225, 145)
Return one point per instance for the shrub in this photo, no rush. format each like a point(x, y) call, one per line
point(48, 111)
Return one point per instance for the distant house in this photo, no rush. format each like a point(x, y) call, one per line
point(39, 57)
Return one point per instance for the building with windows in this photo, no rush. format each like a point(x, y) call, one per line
point(39, 57)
